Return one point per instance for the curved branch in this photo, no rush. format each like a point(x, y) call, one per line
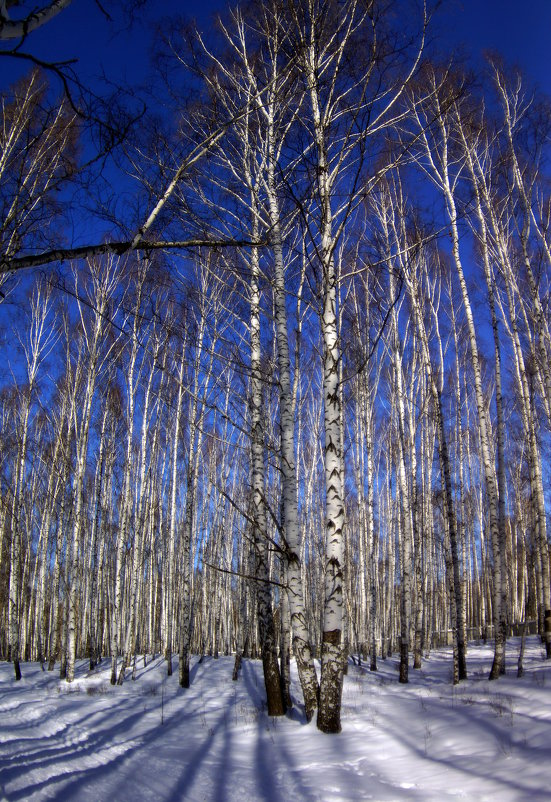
point(19, 29)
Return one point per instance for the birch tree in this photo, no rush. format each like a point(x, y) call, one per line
point(40, 341)
point(443, 165)
point(268, 85)
point(344, 110)
point(103, 280)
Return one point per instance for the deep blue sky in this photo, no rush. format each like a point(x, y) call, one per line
point(522, 33)
point(121, 50)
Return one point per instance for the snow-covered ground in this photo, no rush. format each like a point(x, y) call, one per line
point(149, 740)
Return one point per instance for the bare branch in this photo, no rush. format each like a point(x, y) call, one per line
point(116, 248)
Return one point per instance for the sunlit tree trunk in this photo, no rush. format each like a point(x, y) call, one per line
point(436, 152)
point(272, 678)
point(168, 563)
point(102, 284)
point(143, 480)
point(38, 344)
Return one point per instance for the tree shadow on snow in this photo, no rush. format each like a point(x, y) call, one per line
point(270, 751)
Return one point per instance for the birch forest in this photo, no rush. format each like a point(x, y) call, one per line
point(290, 396)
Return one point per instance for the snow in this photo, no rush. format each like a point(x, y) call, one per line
point(151, 740)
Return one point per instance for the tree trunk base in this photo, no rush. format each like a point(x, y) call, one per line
point(236, 666)
point(329, 710)
point(183, 668)
point(404, 665)
point(272, 682)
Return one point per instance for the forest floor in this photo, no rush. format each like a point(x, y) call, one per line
point(150, 740)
